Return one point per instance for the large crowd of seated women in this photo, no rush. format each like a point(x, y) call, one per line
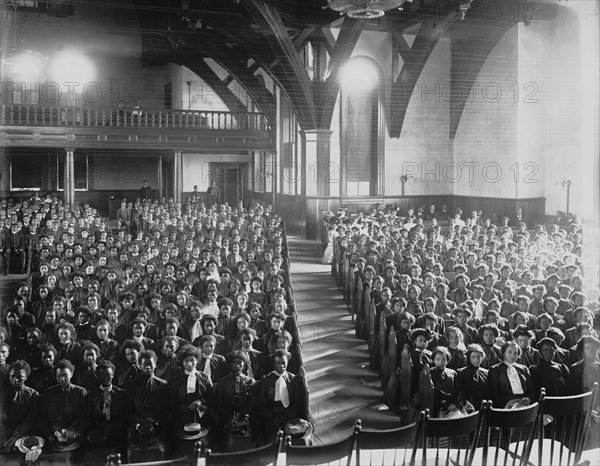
point(174, 327)
point(512, 316)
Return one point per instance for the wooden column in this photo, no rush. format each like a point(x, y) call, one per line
point(177, 175)
point(69, 176)
point(315, 161)
point(159, 183)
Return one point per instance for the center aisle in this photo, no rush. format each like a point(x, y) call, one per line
point(342, 388)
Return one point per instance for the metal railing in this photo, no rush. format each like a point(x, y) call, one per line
point(38, 115)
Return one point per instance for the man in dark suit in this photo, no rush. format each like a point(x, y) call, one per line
point(146, 192)
point(280, 398)
point(13, 246)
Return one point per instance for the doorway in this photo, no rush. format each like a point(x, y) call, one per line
point(229, 181)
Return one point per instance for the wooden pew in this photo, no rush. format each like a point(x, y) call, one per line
point(373, 361)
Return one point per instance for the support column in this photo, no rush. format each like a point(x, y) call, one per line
point(316, 157)
point(159, 184)
point(177, 175)
point(69, 176)
point(274, 178)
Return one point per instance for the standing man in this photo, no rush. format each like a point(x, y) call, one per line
point(146, 192)
point(14, 246)
point(213, 194)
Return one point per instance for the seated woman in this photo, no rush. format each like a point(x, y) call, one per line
point(105, 417)
point(510, 384)
point(147, 398)
point(190, 391)
point(473, 378)
point(402, 326)
point(583, 376)
point(20, 407)
point(256, 366)
point(86, 376)
point(276, 321)
point(456, 348)
point(44, 377)
point(488, 334)
point(129, 369)
point(235, 401)
point(168, 365)
point(212, 364)
point(257, 323)
point(587, 371)
point(279, 399)
point(446, 389)
point(420, 356)
point(547, 373)
point(284, 342)
point(61, 408)
point(529, 356)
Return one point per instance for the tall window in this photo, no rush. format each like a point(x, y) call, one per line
point(26, 171)
point(290, 168)
point(360, 129)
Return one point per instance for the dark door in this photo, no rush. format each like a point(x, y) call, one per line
point(232, 191)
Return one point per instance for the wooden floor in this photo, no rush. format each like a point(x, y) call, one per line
point(342, 388)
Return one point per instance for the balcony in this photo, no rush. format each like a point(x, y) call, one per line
point(98, 127)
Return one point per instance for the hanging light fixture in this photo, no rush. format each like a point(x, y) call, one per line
point(364, 9)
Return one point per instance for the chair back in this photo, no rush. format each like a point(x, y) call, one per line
point(115, 460)
point(512, 433)
point(390, 446)
point(321, 454)
point(450, 441)
point(261, 456)
point(568, 430)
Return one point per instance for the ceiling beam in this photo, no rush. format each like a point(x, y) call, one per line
point(402, 89)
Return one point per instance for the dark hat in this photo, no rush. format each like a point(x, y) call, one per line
point(546, 341)
point(59, 446)
point(420, 332)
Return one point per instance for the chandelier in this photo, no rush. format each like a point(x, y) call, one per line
point(364, 9)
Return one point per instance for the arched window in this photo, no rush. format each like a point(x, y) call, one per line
point(361, 120)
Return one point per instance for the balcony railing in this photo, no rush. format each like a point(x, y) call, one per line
point(37, 115)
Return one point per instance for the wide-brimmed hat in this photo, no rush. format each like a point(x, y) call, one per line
point(192, 431)
point(65, 446)
point(297, 428)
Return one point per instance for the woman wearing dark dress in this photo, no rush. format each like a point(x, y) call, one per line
point(456, 348)
point(235, 400)
point(510, 384)
point(488, 334)
point(473, 378)
point(446, 390)
point(547, 373)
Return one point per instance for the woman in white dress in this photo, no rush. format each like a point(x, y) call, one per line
point(332, 234)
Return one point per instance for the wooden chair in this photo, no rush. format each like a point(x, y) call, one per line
point(322, 454)
point(262, 456)
point(192, 460)
point(450, 441)
point(352, 290)
point(509, 435)
point(390, 446)
point(562, 441)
